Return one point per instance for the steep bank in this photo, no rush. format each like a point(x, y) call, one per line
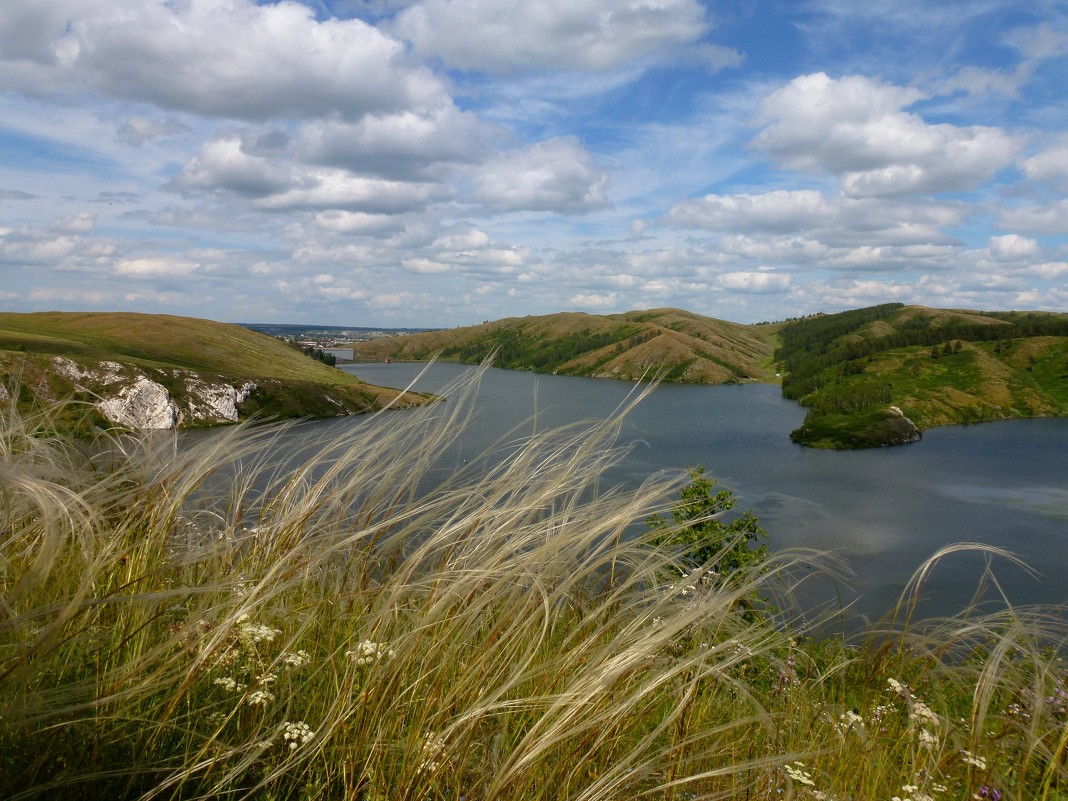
point(158, 371)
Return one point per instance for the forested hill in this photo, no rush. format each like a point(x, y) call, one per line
point(677, 345)
point(880, 375)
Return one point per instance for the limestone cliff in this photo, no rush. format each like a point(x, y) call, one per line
point(129, 397)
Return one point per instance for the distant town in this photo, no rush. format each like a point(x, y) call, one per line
point(332, 339)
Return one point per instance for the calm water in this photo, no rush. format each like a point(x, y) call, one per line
point(882, 511)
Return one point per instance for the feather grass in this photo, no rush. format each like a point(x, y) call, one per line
point(222, 619)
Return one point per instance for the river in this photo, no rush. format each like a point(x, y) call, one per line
point(883, 512)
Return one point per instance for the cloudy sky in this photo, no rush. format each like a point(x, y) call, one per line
point(445, 162)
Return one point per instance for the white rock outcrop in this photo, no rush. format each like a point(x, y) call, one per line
point(144, 404)
point(127, 395)
point(215, 401)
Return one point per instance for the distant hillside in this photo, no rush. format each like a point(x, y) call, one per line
point(880, 375)
point(155, 371)
point(680, 345)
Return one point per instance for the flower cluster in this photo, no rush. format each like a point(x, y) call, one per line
point(294, 661)
point(252, 634)
point(296, 734)
point(433, 754)
point(369, 651)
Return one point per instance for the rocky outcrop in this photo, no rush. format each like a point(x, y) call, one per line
point(143, 404)
point(128, 396)
point(213, 402)
point(900, 429)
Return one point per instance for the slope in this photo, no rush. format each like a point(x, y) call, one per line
point(674, 344)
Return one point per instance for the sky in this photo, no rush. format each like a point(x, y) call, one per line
point(434, 163)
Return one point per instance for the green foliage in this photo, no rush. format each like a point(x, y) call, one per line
point(848, 367)
point(700, 535)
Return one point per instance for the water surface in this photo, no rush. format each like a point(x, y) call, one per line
point(882, 511)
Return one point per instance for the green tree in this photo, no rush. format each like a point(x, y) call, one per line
point(701, 536)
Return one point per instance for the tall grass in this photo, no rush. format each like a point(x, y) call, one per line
point(221, 620)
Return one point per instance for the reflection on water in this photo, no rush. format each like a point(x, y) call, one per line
point(881, 511)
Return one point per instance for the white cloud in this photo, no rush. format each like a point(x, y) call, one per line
point(358, 223)
point(138, 130)
point(556, 175)
point(224, 58)
point(224, 164)
point(590, 300)
point(83, 223)
point(279, 183)
point(1049, 166)
point(506, 37)
point(754, 282)
point(780, 211)
point(856, 128)
point(155, 267)
point(410, 144)
point(1012, 247)
point(1049, 218)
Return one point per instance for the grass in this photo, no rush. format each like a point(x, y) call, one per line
point(219, 620)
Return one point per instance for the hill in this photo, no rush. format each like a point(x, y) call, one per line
point(881, 375)
point(680, 345)
point(159, 371)
point(870, 377)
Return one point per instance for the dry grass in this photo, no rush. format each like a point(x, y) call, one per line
point(222, 620)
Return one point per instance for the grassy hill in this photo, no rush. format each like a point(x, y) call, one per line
point(172, 351)
point(680, 345)
point(861, 372)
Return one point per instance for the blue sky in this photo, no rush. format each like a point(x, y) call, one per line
point(445, 162)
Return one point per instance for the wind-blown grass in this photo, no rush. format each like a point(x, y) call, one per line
point(223, 621)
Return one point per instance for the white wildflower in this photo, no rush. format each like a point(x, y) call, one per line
point(255, 633)
point(370, 651)
point(259, 698)
point(296, 734)
point(295, 660)
point(229, 684)
point(928, 739)
point(972, 759)
point(923, 714)
point(798, 774)
point(433, 753)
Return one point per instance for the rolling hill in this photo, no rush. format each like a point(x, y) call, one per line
point(674, 344)
point(147, 370)
point(870, 377)
point(881, 375)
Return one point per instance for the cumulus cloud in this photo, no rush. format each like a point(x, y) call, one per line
point(154, 267)
point(592, 300)
point(780, 211)
point(1049, 166)
point(1047, 218)
point(222, 58)
point(832, 222)
point(754, 282)
point(1011, 247)
point(857, 128)
point(556, 175)
point(410, 144)
point(138, 130)
point(280, 183)
point(225, 164)
point(506, 37)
